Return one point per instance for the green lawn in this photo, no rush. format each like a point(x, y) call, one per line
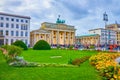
point(84, 72)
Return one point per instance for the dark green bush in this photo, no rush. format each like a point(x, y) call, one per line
point(21, 44)
point(71, 47)
point(70, 61)
point(41, 45)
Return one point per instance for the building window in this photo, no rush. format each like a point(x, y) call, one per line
point(21, 33)
point(12, 25)
point(26, 42)
point(1, 25)
point(12, 19)
point(26, 27)
point(54, 33)
point(41, 36)
point(7, 19)
point(22, 27)
point(12, 33)
point(11, 41)
point(17, 20)
point(26, 34)
point(7, 25)
point(26, 21)
point(21, 20)
point(1, 42)
point(6, 42)
point(1, 18)
point(1, 32)
point(7, 33)
point(17, 34)
point(17, 26)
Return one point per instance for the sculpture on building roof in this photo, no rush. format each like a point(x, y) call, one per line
point(59, 20)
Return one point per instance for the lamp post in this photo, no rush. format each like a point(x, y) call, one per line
point(105, 19)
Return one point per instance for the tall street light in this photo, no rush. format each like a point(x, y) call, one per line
point(105, 19)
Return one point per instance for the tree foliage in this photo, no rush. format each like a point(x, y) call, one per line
point(41, 45)
point(21, 44)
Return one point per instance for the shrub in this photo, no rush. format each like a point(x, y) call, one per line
point(92, 47)
point(71, 47)
point(58, 46)
point(23, 64)
point(21, 44)
point(41, 45)
point(80, 60)
point(70, 61)
point(11, 52)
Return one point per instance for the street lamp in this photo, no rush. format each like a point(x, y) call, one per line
point(105, 19)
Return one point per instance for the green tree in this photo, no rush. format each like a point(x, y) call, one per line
point(21, 44)
point(42, 45)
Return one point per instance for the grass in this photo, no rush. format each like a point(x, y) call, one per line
point(84, 72)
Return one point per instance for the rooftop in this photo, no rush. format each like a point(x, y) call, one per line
point(112, 25)
point(87, 35)
point(100, 29)
point(96, 29)
point(40, 31)
point(58, 26)
point(14, 15)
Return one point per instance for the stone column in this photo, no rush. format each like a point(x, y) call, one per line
point(64, 37)
point(52, 37)
point(34, 39)
point(73, 37)
point(69, 38)
point(39, 36)
point(49, 38)
point(45, 37)
point(58, 37)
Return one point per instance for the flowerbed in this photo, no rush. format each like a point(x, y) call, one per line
point(78, 61)
point(11, 54)
point(106, 65)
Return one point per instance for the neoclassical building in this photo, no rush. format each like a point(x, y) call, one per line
point(89, 39)
point(98, 36)
point(57, 33)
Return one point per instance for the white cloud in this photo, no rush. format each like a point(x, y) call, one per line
point(84, 14)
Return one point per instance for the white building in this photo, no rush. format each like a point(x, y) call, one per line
point(14, 27)
point(106, 36)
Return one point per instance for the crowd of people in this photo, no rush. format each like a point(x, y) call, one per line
point(94, 47)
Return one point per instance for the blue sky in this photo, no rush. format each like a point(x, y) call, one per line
point(83, 14)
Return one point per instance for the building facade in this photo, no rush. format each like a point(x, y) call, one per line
point(89, 39)
point(116, 28)
point(39, 34)
point(106, 36)
point(14, 27)
point(54, 34)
